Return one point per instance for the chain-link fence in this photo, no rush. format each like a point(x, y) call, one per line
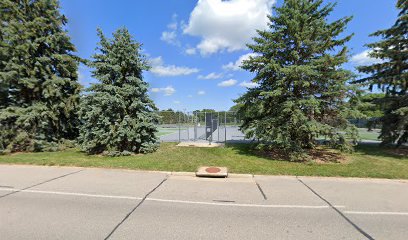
point(371, 123)
point(221, 127)
point(176, 126)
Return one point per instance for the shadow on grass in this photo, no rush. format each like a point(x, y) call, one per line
point(248, 149)
point(321, 155)
point(376, 150)
point(325, 156)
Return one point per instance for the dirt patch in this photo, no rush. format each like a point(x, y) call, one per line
point(319, 155)
point(327, 156)
point(402, 151)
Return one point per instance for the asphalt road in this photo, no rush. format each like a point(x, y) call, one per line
point(77, 203)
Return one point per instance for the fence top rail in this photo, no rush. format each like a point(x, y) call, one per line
point(194, 112)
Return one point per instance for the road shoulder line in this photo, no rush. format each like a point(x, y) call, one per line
point(38, 184)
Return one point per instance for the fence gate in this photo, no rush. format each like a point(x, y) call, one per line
point(211, 125)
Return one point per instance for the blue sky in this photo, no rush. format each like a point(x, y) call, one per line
point(195, 46)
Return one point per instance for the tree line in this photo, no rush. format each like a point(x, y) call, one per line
point(303, 92)
point(41, 103)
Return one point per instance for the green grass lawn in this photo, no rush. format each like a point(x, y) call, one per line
point(366, 135)
point(367, 161)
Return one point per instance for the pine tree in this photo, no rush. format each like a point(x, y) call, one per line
point(391, 76)
point(301, 86)
point(39, 90)
point(3, 57)
point(118, 116)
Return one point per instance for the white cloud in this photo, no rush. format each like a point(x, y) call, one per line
point(191, 51)
point(201, 92)
point(210, 76)
point(168, 91)
point(161, 70)
point(190, 96)
point(80, 76)
point(84, 76)
point(173, 25)
point(227, 83)
point(170, 36)
point(227, 25)
point(248, 84)
point(176, 102)
point(236, 66)
point(363, 58)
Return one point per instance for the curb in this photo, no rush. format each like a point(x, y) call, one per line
point(230, 175)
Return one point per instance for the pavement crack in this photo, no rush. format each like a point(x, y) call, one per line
point(260, 189)
point(368, 236)
point(136, 207)
point(38, 184)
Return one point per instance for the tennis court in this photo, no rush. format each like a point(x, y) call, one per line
point(199, 126)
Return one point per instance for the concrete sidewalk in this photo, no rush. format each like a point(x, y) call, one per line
point(80, 203)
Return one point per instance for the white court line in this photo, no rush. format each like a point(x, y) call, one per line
point(377, 213)
point(169, 200)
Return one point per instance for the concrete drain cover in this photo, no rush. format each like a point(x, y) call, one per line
point(221, 172)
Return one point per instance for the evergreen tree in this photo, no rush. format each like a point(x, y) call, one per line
point(3, 86)
point(370, 105)
point(301, 86)
point(117, 115)
point(391, 76)
point(39, 92)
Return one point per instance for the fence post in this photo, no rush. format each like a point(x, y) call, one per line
point(205, 125)
point(179, 127)
point(188, 126)
point(225, 127)
point(218, 126)
point(212, 123)
point(195, 126)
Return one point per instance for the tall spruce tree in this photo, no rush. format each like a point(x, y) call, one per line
point(39, 91)
point(118, 116)
point(391, 76)
point(3, 86)
point(302, 87)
